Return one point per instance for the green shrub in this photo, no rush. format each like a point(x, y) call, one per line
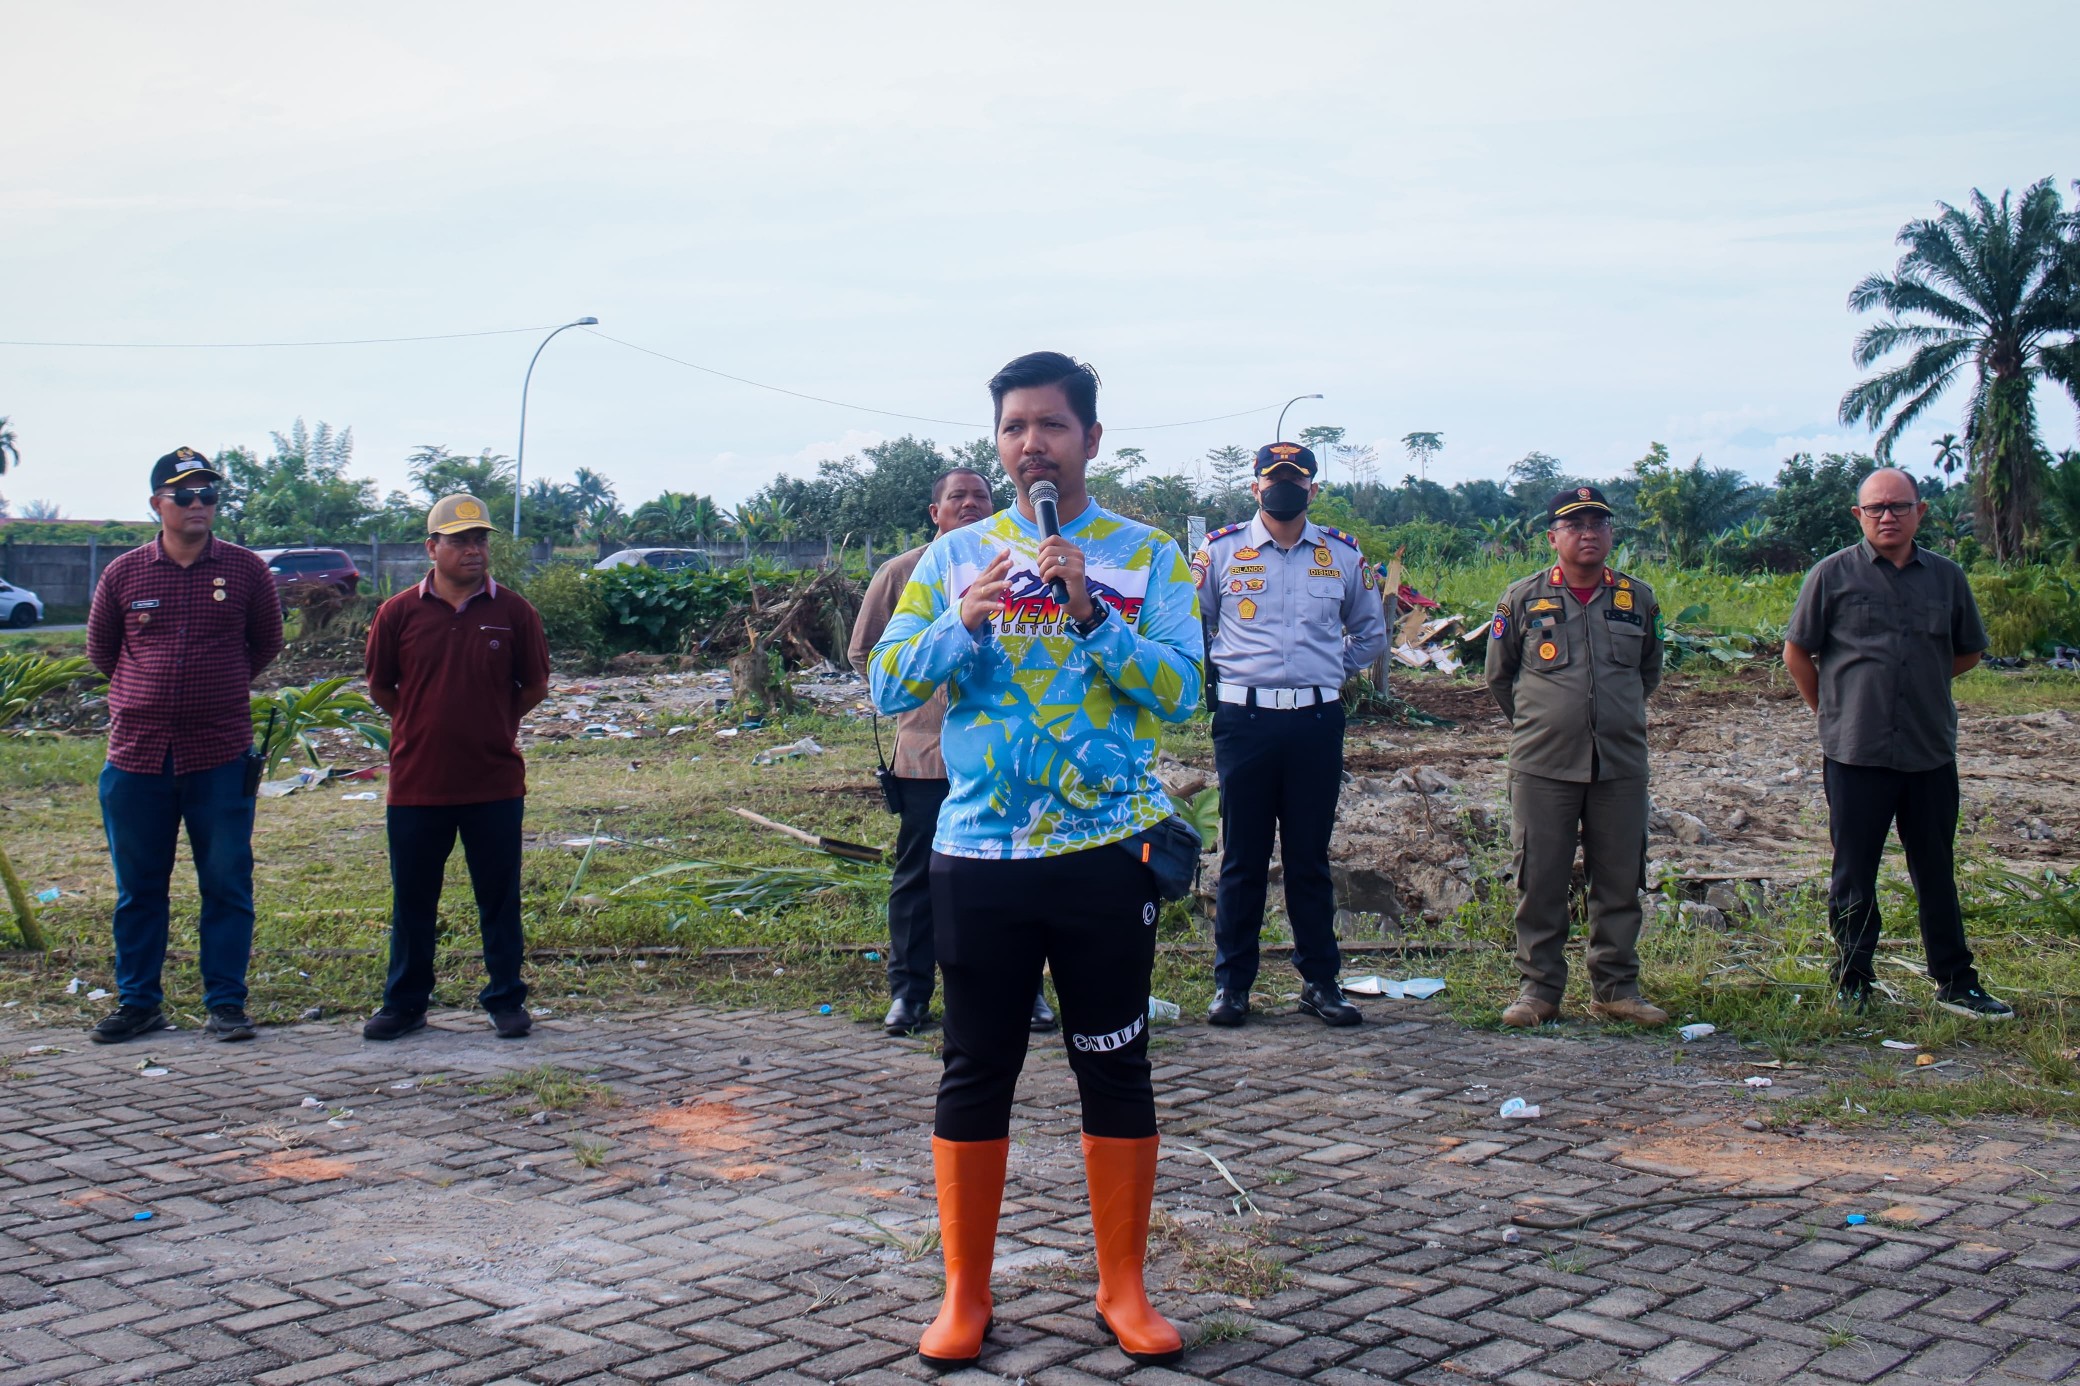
point(2027, 608)
point(574, 613)
point(653, 610)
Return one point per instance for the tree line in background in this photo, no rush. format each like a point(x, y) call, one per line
point(1986, 295)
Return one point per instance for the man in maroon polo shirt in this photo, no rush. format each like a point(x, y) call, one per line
point(181, 627)
point(456, 661)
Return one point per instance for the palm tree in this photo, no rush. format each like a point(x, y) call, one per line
point(1421, 448)
point(594, 491)
point(2062, 507)
point(1992, 285)
point(8, 451)
point(1949, 454)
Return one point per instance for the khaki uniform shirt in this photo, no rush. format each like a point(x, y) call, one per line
point(916, 755)
point(1573, 678)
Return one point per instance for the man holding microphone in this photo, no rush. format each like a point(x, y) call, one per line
point(1061, 655)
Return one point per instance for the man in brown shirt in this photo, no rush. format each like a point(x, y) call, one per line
point(181, 627)
point(456, 661)
point(959, 498)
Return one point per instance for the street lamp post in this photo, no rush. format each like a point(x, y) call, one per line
point(1280, 434)
point(520, 453)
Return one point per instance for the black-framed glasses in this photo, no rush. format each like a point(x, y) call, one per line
point(185, 496)
point(1884, 508)
point(1588, 526)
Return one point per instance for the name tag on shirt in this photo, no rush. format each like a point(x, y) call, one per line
point(148, 604)
point(1611, 613)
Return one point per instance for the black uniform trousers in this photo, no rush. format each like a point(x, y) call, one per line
point(421, 837)
point(910, 952)
point(1281, 771)
point(1864, 802)
point(1090, 917)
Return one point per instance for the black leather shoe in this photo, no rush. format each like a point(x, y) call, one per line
point(1044, 1021)
point(1326, 1004)
point(387, 1024)
point(906, 1017)
point(1228, 1009)
point(512, 1024)
point(230, 1023)
point(128, 1022)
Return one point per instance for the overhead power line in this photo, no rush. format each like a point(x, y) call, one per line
point(246, 346)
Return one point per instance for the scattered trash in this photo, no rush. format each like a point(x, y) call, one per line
point(310, 1102)
point(538, 1119)
point(601, 841)
point(406, 1086)
point(824, 1009)
point(1757, 1081)
point(43, 1049)
point(1517, 1109)
point(338, 1123)
point(44, 897)
point(314, 1013)
point(872, 956)
point(727, 731)
point(72, 987)
point(98, 994)
point(1899, 1044)
point(366, 796)
point(302, 779)
point(1924, 1061)
point(1512, 1236)
point(1159, 1009)
point(151, 1068)
point(805, 747)
point(1697, 1032)
point(1854, 1220)
point(1414, 989)
point(144, 1216)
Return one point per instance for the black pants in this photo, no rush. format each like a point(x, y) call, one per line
point(1863, 804)
point(1090, 916)
point(911, 956)
point(1281, 771)
point(420, 840)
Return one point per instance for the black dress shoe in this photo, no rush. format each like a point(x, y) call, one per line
point(906, 1017)
point(1228, 1008)
point(230, 1023)
point(512, 1024)
point(128, 1022)
point(387, 1024)
point(1044, 1021)
point(1326, 1004)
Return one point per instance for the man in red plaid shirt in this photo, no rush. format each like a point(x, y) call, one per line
point(181, 627)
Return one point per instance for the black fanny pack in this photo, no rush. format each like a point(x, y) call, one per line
point(1170, 850)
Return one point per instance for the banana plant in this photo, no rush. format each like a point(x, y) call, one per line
point(287, 719)
point(24, 678)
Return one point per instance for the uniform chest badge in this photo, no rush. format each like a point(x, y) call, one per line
point(1543, 604)
point(1235, 585)
point(1621, 599)
point(1322, 556)
point(1254, 584)
point(1246, 554)
point(1548, 650)
point(1246, 609)
point(1366, 577)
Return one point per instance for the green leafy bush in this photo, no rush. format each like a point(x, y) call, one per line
point(574, 611)
point(654, 610)
point(2027, 608)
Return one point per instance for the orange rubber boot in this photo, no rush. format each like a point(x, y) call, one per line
point(1122, 1175)
point(970, 1176)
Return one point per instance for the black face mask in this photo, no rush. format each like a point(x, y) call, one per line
point(1284, 500)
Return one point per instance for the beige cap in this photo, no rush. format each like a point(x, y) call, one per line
point(454, 514)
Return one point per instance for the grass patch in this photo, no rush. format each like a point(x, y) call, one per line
point(1864, 1099)
point(589, 1151)
point(546, 1088)
point(1222, 1328)
point(911, 1246)
point(1838, 1334)
point(1222, 1266)
point(1987, 692)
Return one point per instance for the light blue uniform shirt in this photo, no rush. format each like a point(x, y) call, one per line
point(1304, 617)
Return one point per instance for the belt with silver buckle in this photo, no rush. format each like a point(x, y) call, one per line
point(1274, 697)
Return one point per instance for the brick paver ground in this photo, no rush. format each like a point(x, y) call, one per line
point(751, 1205)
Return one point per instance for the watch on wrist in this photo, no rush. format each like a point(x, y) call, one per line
point(1086, 629)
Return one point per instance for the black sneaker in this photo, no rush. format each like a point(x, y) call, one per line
point(229, 1023)
point(1856, 995)
point(1044, 1021)
point(1228, 1009)
point(128, 1022)
point(1326, 1004)
point(1974, 1001)
point(387, 1024)
point(512, 1024)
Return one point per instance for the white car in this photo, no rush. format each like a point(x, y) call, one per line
point(667, 560)
point(19, 606)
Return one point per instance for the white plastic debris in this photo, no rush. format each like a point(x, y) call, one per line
point(1517, 1109)
point(1756, 1081)
point(310, 1102)
point(98, 994)
point(1697, 1032)
point(1414, 989)
point(366, 796)
point(1899, 1044)
point(792, 750)
point(72, 987)
point(1159, 1009)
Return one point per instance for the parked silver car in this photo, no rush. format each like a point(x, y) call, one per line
point(19, 606)
point(666, 560)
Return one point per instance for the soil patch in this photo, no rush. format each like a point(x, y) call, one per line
point(302, 1169)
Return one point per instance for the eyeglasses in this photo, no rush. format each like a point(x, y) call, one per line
point(1881, 510)
point(185, 496)
point(1589, 526)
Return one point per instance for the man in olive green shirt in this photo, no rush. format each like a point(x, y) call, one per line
point(1573, 653)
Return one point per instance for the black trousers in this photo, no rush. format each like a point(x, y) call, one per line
point(1863, 805)
point(1281, 772)
point(1090, 916)
point(911, 956)
point(421, 837)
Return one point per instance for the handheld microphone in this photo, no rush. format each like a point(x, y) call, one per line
point(1045, 498)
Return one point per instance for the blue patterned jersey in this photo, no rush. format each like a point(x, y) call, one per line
point(1050, 739)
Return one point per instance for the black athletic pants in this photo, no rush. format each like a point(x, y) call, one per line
point(1281, 771)
point(1863, 804)
point(910, 951)
point(1090, 916)
point(421, 837)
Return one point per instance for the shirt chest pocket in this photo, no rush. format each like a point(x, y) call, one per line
point(491, 649)
point(1628, 644)
point(1546, 647)
point(1930, 618)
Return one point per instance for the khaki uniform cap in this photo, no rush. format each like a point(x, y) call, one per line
point(454, 514)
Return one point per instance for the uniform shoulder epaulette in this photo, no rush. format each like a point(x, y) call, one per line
point(1339, 534)
point(1225, 530)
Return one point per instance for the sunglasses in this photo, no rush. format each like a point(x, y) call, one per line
point(185, 496)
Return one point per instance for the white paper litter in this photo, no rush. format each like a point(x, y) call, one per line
point(98, 994)
point(1697, 1032)
point(805, 747)
point(1517, 1109)
point(366, 796)
point(1414, 989)
point(72, 987)
point(1758, 1081)
point(1899, 1044)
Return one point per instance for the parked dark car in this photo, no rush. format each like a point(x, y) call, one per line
point(299, 568)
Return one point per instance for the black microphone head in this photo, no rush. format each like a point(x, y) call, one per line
point(1043, 493)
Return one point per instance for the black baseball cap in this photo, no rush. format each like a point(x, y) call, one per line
point(1284, 455)
point(1575, 500)
point(183, 467)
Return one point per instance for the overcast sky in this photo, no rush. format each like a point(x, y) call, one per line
point(1574, 228)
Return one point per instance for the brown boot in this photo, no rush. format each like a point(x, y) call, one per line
point(970, 1176)
point(1631, 1010)
point(1122, 1176)
point(1527, 1011)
